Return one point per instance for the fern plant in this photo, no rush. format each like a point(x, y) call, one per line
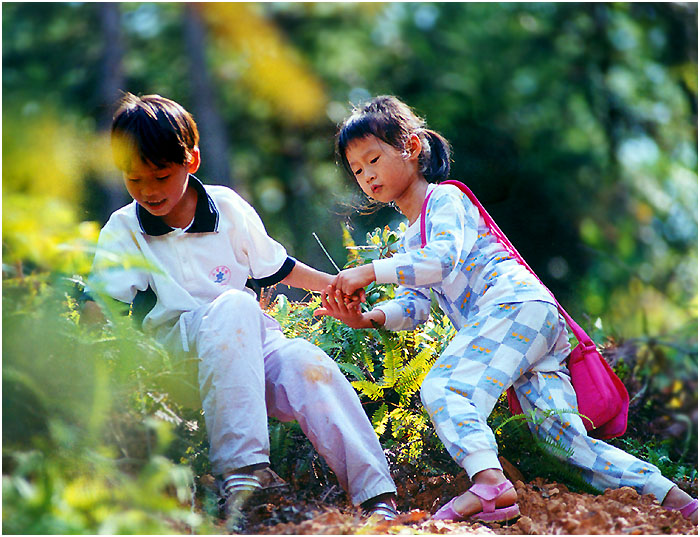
point(399, 413)
point(386, 368)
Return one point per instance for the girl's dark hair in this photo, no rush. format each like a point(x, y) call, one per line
point(153, 128)
point(393, 122)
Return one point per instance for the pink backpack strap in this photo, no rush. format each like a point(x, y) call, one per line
point(423, 236)
point(580, 334)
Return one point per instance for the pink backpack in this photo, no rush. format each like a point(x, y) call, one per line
point(603, 400)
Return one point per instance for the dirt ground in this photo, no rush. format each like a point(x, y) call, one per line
point(546, 509)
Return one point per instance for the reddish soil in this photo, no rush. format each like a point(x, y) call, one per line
point(546, 509)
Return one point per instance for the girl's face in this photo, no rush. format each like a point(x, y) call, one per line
point(383, 172)
point(161, 190)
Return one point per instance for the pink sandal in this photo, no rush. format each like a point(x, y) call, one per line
point(487, 495)
point(687, 510)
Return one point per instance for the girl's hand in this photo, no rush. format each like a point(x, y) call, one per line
point(347, 309)
point(350, 280)
point(342, 307)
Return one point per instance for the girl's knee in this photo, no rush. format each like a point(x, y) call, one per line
point(433, 388)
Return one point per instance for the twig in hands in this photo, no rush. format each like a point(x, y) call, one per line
point(325, 251)
point(364, 305)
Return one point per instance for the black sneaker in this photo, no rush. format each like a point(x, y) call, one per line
point(383, 506)
point(235, 491)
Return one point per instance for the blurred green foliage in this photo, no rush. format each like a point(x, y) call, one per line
point(87, 423)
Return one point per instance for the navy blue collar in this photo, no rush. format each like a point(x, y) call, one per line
point(206, 215)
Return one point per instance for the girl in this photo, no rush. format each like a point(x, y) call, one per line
point(509, 331)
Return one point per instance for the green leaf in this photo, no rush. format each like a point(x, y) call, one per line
point(368, 389)
point(352, 369)
point(380, 419)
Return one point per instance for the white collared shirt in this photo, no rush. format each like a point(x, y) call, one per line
point(186, 268)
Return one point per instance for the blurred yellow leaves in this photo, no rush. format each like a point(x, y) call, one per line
point(44, 163)
point(45, 232)
point(40, 157)
point(349, 244)
point(85, 493)
point(689, 73)
point(640, 304)
point(269, 67)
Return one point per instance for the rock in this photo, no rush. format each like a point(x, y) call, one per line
point(512, 473)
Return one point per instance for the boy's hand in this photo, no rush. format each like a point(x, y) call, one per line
point(91, 315)
point(350, 280)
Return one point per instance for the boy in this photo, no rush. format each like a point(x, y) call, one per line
point(197, 245)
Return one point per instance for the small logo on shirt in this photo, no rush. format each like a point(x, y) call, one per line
point(221, 274)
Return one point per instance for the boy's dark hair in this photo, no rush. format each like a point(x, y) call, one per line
point(393, 122)
point(155, 129)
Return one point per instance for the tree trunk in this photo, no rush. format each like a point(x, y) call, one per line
point(111, 82)
point(112, 77)
point(213, 143)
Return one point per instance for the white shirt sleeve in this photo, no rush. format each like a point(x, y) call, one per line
point(119, 269)
point(265, 255)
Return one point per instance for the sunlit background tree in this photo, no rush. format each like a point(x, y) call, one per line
point(576, 124)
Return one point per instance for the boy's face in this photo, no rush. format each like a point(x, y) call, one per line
point(161, 190)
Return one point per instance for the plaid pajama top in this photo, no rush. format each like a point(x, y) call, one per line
point(462, 262)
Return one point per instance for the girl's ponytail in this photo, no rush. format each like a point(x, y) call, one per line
point(435, 158)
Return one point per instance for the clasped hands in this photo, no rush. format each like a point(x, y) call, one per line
point(342, 299)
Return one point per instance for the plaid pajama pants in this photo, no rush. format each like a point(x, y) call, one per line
point(524, 345)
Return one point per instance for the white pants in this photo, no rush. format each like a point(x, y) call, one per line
point(248, 371)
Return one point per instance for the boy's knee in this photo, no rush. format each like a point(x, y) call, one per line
point(233, 312)
point(319, 373)
point(236, 303)
point(314, 365)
